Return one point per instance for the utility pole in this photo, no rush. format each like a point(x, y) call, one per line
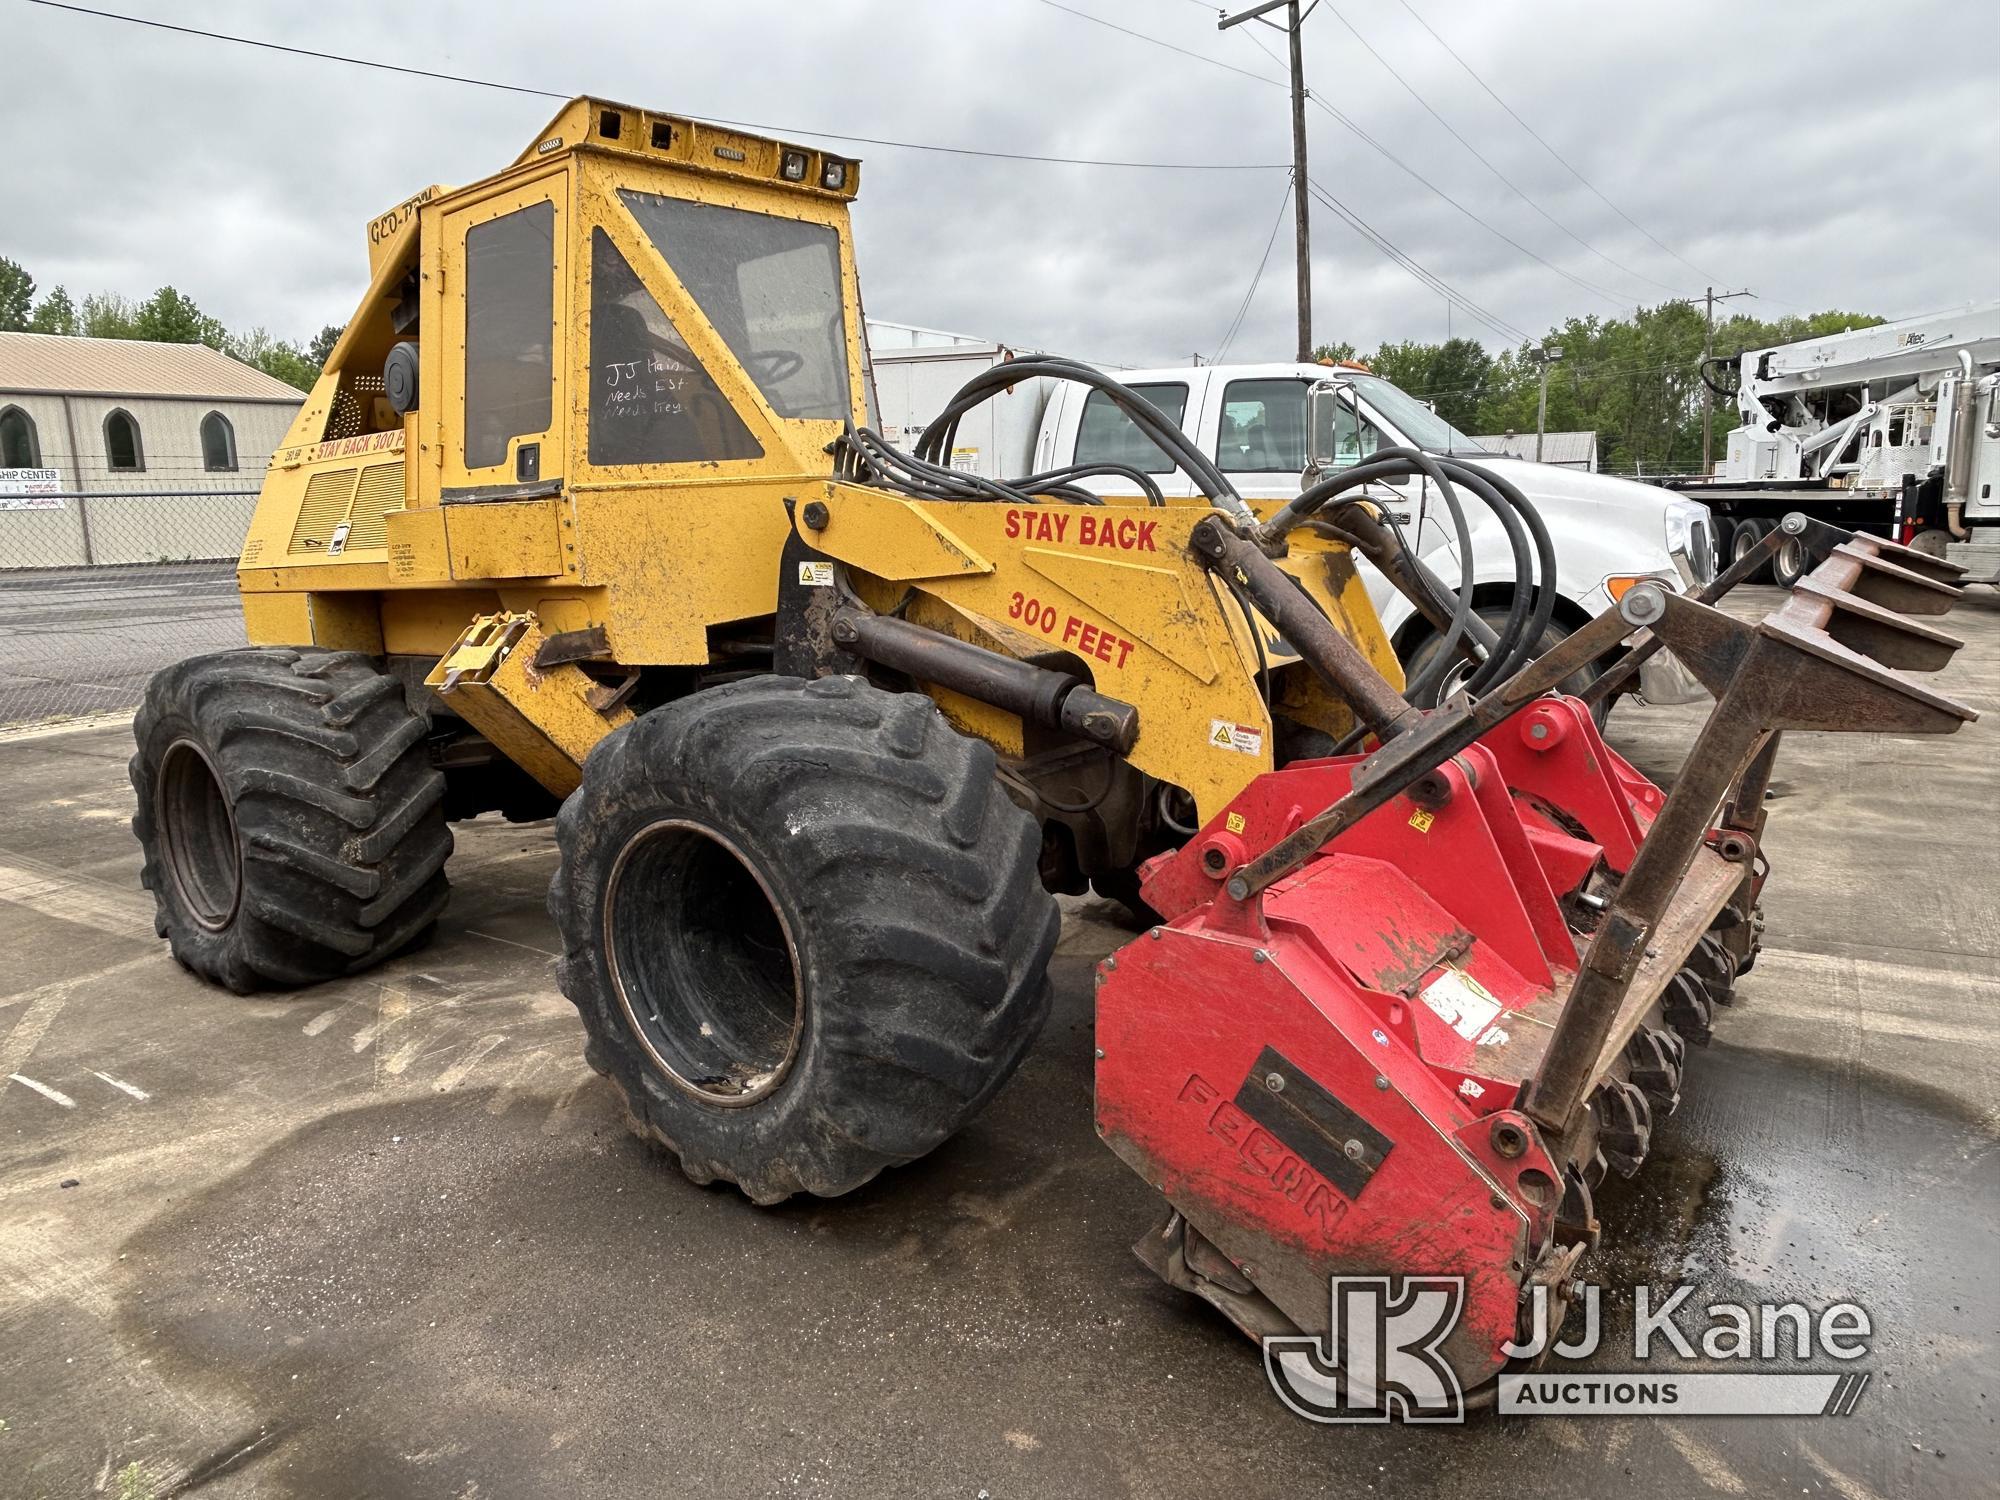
point(1709, 299)
point(1301, 211)
point(1543, 356)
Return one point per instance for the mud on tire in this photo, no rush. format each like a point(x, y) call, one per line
point(292, 823)
point(804, 929)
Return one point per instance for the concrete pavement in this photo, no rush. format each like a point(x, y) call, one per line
point(390, 1237)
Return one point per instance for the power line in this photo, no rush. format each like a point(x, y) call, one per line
point(1243, 307)
point(1616, 299)
point(244, 41)
point(1140, 36)
point(1668, 249)
point(515, 88)
point(1425, 276)
point(1481, 158)
point(1578, 373)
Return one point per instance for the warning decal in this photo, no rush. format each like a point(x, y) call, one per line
point(1462, 1003)
point(816, 575)
point(1241, 738)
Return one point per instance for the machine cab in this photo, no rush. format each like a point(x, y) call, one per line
point(639, 299)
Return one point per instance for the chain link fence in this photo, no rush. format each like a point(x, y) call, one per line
point(100, 588)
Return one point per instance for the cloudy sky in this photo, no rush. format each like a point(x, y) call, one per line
point(1845, 162)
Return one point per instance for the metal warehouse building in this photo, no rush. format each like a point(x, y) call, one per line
point(1568, 450)
point(121, 451)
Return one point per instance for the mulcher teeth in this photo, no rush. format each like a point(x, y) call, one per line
point(1653, 1060)
point(1624, 1125)
point(1715, 967)
point(1576, 1218)
point(1688, 1007)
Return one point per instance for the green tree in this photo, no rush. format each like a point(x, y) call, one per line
point(320, 350)
point(55, 313)
point(171, 317)
point(1451, 376)
point(106, 315)
point(1334, 352)
point(275, 357)
point(17, 296)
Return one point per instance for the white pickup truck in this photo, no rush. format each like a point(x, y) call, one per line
point(1608, 532)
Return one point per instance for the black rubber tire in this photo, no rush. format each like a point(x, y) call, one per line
point(318, 796)
point(1426, 650)
point(1723, 531)
point(905, 889)
point(1790, 563)
point(1747, 535)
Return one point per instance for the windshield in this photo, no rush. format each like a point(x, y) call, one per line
point(1419, 424)
point(770, 286)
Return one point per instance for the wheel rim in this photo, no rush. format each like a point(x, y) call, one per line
point(1791, 559)
point(1455, 680)
point(703, 962)
point(1746, 538)
point(198, 835)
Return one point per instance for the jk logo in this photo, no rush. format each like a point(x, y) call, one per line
point(1379, 1361)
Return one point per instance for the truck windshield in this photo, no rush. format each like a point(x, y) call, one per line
point(1417, 422)
point(770, 286)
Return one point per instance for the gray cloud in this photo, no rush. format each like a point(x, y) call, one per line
point(1833, 158)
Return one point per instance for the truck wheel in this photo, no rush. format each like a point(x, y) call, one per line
point(1454, 680)
point(1748, 534)
point(1724, 532)
point(292, 824)
point(1790, 562)
point(804, 928)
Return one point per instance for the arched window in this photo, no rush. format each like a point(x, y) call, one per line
point(218, 442)
point(20, 444)
point(122, 450)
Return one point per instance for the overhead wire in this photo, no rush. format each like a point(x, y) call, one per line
point(1426, 277)
point(1559, 157)
point(1616, 299)
point(780, 130)
point(1243, 307)
point(1481, 157)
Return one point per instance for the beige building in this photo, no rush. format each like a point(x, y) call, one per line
point(121, 451)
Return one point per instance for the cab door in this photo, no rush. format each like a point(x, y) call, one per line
point(504, 304)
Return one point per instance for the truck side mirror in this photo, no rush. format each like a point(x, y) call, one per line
point(1323, 403)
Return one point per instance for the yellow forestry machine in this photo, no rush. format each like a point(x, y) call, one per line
point(587, 513)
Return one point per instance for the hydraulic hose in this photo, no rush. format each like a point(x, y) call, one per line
point(923, 473)
point(1528, 538)
point(1149, 419)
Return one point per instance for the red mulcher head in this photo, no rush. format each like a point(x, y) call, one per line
point(1408, 1007)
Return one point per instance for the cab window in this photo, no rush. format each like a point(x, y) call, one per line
point(651, 402)
point(509, 331)
point(1263, 426)
point(770, 286)
point(1263, 429)
point(1107, 436)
